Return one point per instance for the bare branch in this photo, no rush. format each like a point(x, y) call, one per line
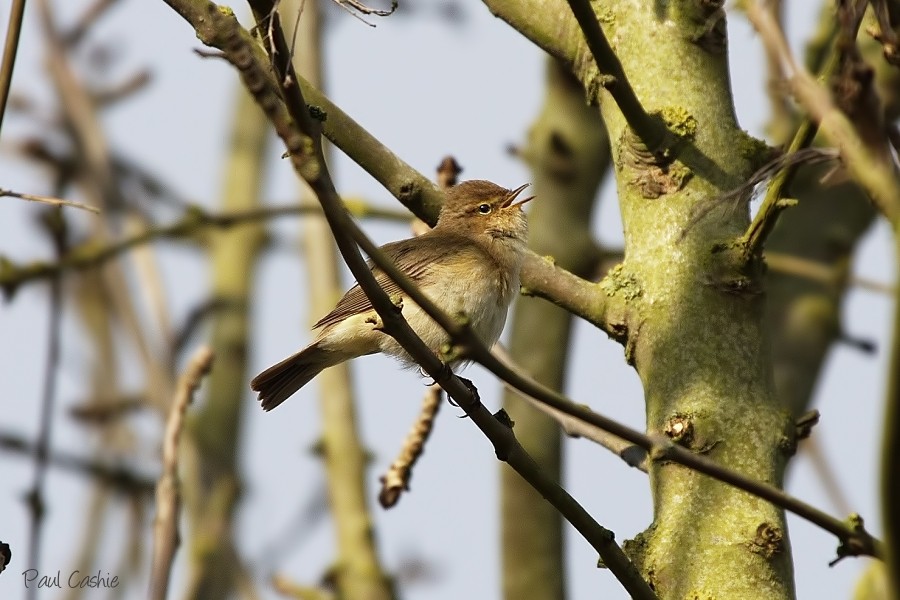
point(87, 19)
point(396, 480)
point(194, 222)
point(612, 77)
point(633, 455)
point(10, 48)
point(855, 540)
point(875, 175)
point(168, 492)
point(118, 478)
point(48, 200)
point(774, 202)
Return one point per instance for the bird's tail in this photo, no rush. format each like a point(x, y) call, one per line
point(280, 381)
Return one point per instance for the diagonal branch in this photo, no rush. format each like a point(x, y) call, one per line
point(612, 77)
point(855, 540)
point(118, 478)
point(35, 498)
point(875, 175)
point(10, 48)
point(774, 203)
point(297, 130)
point(362, 574)
point(48, 200)
point(194, 222)
point(541, 278)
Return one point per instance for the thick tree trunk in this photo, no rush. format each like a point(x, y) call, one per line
point(693, 306)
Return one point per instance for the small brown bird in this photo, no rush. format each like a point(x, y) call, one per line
point(469, 263)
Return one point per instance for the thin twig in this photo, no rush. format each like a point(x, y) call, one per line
point(56, 229)
point(814, 450)
point(125, 88)
point(773, 203)
point(875, 176)
point(395, 481)
point(885, 33)
point(168, 493)
point(823, 273)
point(774, 169)
point(119, 478)
point(633, 455)
point(48, 200)
point(363, 574)
point(194, 222)
point(290, 589)
point(10, 48)
point(87, 19)
point(448, 172)
point(366, 10)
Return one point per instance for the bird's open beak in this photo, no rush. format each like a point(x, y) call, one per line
point(513, 194)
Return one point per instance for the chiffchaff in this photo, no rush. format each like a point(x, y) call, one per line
point(469, 263)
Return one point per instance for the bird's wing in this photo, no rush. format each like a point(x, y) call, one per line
point(416, 257)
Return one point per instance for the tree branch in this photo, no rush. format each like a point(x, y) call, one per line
point(48, 200)
point(223, 32)
point(395, 480)
point(56, 228)
point(612, 77)
point(540, 276)
point(168, 493)
point(300, 135)
point(10, 48)
point(194, 222)
point(855, 540)
point(875, 175)
point(118, 478)
point(763, 223)
point(361, 575)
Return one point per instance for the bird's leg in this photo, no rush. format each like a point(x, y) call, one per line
point(376, 322)
point(472, 389)
point(375, 318)
point(443, 374)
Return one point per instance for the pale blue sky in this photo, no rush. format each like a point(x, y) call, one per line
point(425, 89)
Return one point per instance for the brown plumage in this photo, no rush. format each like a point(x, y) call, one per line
point(468, 263)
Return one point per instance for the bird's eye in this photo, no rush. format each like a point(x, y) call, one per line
point(484, 208)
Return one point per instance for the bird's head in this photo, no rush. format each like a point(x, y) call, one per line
point(479, 207)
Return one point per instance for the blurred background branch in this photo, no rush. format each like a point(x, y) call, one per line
point(357, 572)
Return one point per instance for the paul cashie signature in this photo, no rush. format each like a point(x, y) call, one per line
point(76, 579)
